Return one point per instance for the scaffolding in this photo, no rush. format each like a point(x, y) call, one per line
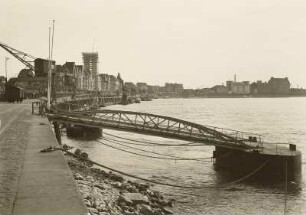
point(90, 60)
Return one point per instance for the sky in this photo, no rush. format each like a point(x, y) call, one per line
point(199, 43)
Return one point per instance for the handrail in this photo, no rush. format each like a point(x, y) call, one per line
point(93, 119)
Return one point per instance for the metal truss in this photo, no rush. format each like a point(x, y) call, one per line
point(23, 57)
point(152, 124)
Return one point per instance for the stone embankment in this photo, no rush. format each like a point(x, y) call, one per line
point(106, 193)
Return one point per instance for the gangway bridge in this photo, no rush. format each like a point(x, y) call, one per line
point(235, 151)
point(157, 125)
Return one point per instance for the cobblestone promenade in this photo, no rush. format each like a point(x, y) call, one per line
point(32, 182)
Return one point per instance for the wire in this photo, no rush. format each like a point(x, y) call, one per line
point(162, 158)
point(149, 156)
point(246, 176)
point(137, 177)
point(116, 142)
point(146, 144)
point(172, 185)
point(152, 143)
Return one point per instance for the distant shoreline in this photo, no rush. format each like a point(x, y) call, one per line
point(231, 96)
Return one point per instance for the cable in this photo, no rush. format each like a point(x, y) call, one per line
point(138, 143)
point(152, 143)
point(184, 144)
point(165, 158)
point(246, 176)
point(136, 177)
point(116, 142)
point(171, 185)
point(161, 158)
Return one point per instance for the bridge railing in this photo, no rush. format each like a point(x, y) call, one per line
point(155, 124)
point(182, 125)
point(79, 112)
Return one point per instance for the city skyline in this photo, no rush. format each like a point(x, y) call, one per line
point(185, 43)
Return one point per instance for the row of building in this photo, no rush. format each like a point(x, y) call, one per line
point(143, 89)
point(68, 78)
point(273, 87)
point(71, 78)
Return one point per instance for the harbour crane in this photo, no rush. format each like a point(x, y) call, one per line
point(23, 57)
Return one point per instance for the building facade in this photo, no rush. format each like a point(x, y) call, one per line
point(279, 86)
point(90, 61)
point(2, 86)
point(220, 90)
point(239, 88)
point(274, 87)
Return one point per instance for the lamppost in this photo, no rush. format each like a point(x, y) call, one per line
point(6, 59)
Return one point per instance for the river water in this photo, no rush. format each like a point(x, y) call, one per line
point(277, 119)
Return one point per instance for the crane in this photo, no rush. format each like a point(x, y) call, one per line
point(23, 57)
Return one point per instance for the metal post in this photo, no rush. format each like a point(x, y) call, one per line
point(49, 75)
point(57, 132)
point(50, 67)
point(6, 59)
point(286, 186)
point(52, 40)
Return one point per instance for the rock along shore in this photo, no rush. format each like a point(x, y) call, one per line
point(106, 193)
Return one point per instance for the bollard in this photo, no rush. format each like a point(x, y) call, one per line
point(57, 131)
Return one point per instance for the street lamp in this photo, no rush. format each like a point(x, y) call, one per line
point(6, 59)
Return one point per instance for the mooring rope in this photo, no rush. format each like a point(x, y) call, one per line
point(149, 156)
point(183, 144)
point(246, 176)
point(143, 150)
point(168, 184)
point(134, 176)
point(153, 143)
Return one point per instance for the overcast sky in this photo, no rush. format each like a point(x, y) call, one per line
point(199, 43)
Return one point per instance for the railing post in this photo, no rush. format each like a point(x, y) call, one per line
point(168, 125)
point(144, 122)
point(38, 104)
point(191, 132)
point(119, 119)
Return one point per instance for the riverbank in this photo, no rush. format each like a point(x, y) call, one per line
point(106, 193)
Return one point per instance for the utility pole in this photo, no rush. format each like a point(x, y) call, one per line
point(50, 66)
point(6, 59)
point(49, 76)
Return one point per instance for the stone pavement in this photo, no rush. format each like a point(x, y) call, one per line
point(32, 182)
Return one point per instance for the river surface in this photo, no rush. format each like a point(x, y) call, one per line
point(277, 119)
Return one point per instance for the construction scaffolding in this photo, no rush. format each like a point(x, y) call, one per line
point(90, 60)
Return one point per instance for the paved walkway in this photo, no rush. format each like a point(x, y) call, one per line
point(32, 182)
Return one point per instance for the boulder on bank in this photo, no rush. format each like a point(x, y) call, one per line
point(133, 198)
point(107, 194)
point(146, 210)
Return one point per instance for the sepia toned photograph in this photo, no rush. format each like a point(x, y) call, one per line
point(152, 107)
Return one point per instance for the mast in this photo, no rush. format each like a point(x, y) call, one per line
point(6, 59)
point(49, 75)
point(50, 66)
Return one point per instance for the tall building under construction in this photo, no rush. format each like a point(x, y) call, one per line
point(90, 60)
